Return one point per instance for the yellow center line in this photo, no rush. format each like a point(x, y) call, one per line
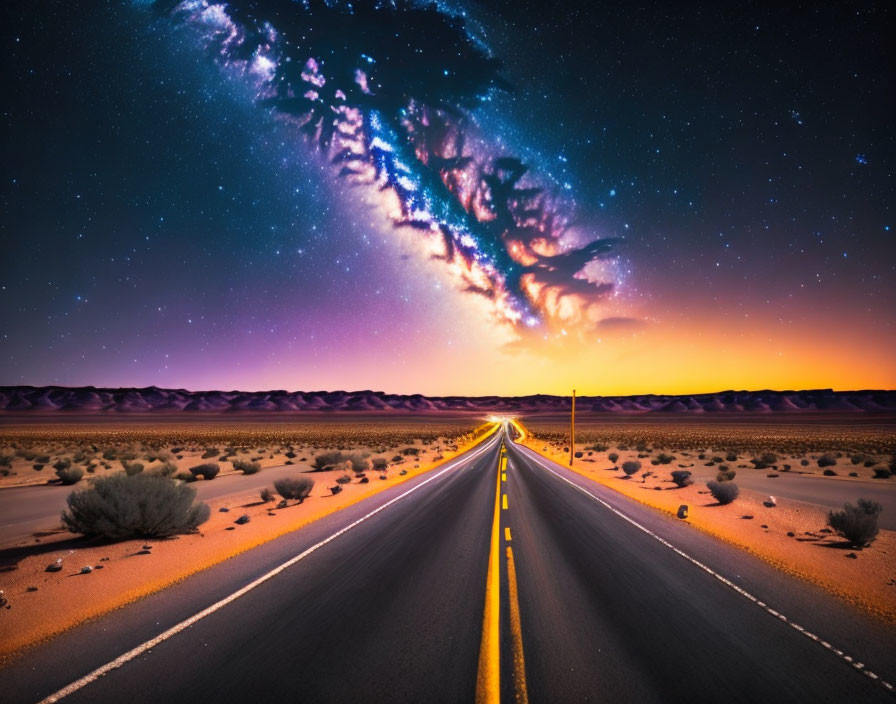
point(521, 694)
point(488, 678)
point(504, 502)
point(504, 476)
point(507, 534)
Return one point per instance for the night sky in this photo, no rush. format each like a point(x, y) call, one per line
point(166, 220)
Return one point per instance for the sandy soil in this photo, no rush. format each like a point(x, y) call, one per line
point(23, 474)
point(101, 446)
point(44, 603)
point(792, 536)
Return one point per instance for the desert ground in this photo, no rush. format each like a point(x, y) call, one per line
point(423, 559)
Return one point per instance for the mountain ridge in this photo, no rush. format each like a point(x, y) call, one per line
point(152, 399)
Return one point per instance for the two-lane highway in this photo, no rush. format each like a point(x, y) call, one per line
point(487, 578)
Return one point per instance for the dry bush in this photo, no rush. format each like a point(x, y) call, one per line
point(142, 505)
point(858, 524)
point(723, 492)
point(297, 488)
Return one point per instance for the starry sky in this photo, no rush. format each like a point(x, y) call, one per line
point(164, 222)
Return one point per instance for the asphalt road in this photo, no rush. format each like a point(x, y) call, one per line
point(391, 610)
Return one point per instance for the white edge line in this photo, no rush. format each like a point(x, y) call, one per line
point(183, 625)
point(727, 582)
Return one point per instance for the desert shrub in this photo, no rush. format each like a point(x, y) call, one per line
point(413, 451)
point(297, 488)
point(397, 458)
point(42, 459)
point(631, 467)
point(882, 472)
point(827, 460)
point(266, 495)
point(70, 475)
point(379, 464)
point(37, 467)
point(6, 460)
point(682, 478)
point(731, 457)
point(858, 524)
point(857, 459)
point(613, 456)
point(335, 490)
point(207, 471)
point(663, 458)
point(132, 468)
point(160, 455)
point(291, 455)
point(765, 460)
point(246, 467)
point(597, 448)
point(358, 463)
point(166, 469)
point(327, 460)
point(829, 473)
point(723, 492)
point(141, 505)
point(185, 476)
point(209, 453)
point(59, 465)
point(804, 463)
point(725, 474)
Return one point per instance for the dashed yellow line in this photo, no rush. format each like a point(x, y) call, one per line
point(488, 678)
point(521, 693)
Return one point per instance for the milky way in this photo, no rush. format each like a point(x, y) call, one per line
point(387, 92)
point(286, 195)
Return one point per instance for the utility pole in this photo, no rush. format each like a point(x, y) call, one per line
point(572, 428)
